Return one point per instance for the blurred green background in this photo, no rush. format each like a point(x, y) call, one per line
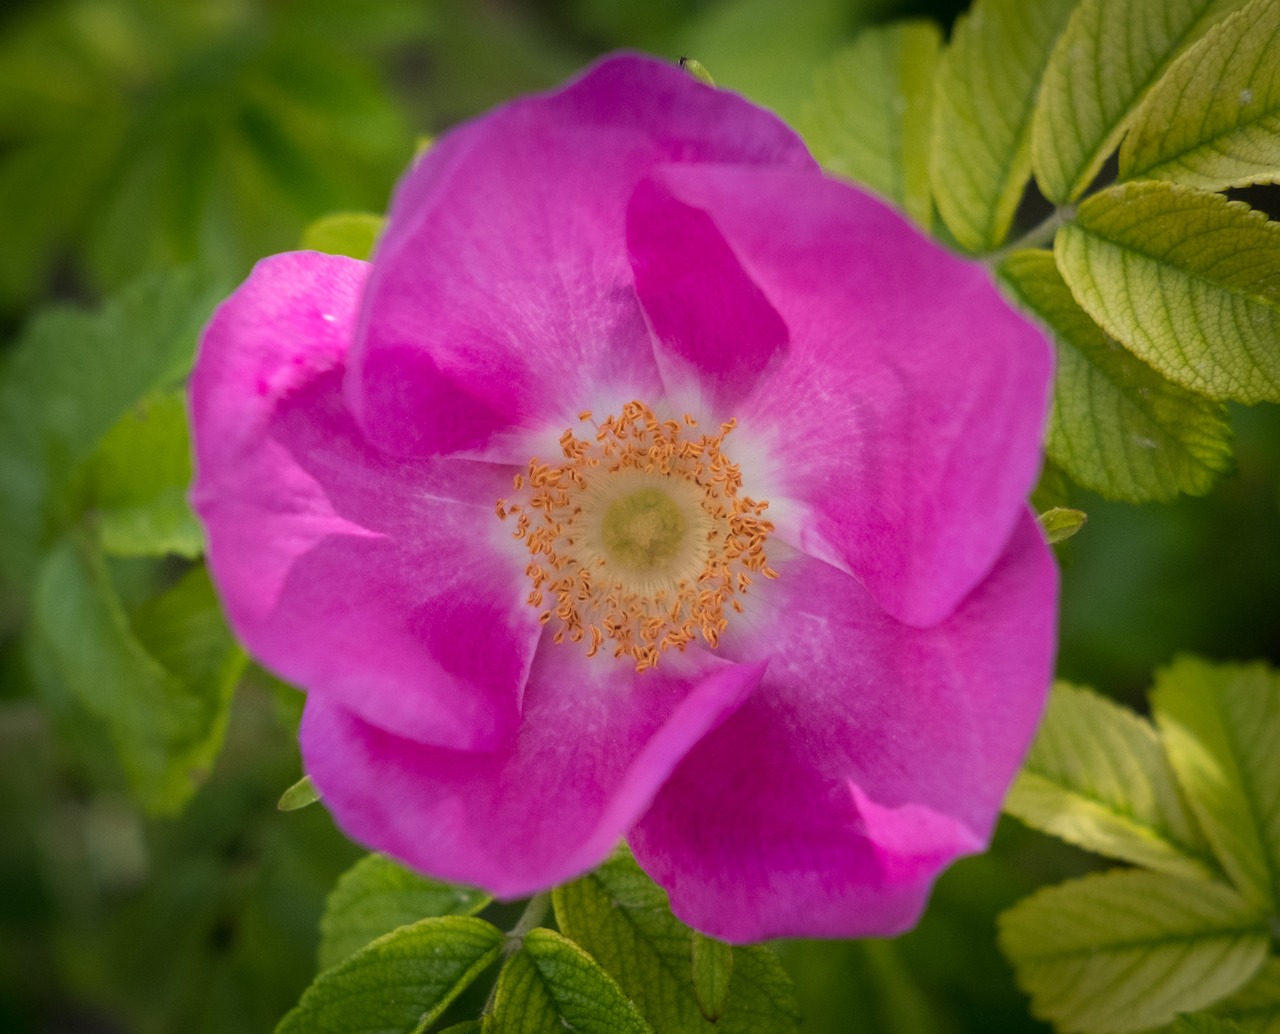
point(143, 135)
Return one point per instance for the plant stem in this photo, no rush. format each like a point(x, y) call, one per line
point(532, 916)
point(1036, 237)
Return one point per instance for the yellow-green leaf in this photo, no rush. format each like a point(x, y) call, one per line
point(1256, 1006)
point(871, 115)
point(1214, 120)
point(1061, 523)
point(986, 88)
point(1116, 425)
point(712, 965)
point(1221, 728)
point(1128, 951)
point(1185, 279)
point(1106, 61)
point(344, 233)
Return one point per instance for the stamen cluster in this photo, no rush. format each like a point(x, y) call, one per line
point(596, 598)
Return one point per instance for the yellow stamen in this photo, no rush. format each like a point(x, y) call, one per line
point(643, 538)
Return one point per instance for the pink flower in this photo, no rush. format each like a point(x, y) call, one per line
point(646, 483)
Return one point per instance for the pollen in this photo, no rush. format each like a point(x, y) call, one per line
point(640, 539)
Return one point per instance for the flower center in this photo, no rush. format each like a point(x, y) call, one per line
point(640, 537)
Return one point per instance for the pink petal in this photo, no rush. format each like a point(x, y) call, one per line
point(390, 585)
point(872, 755)
point(595, 742)
point(904, 418)
point(502, 295)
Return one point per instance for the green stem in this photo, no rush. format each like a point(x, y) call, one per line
point(1037, 237)
point(531, 918)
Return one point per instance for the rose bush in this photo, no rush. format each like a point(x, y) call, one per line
point(647, 482)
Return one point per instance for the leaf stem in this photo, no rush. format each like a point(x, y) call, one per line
point(1036, 237)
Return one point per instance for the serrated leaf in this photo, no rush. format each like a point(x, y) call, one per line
point(712, 969)
point(1204, 1023)
point(301, 794)
point(1116, 425)
point(1097, 777)
point(1107, 59)
point(1221, 725)
point(139, 476)
point(399, 984)
point(551, 984)
point(987, 83)
point(871, 115)
point(70, 378)
point(1256, 1006)
point(375, 896)
point(1061, 523)
point(1128, 951)
point(161, 683)
point(344, 233)
point(1187, 280)
point(622, 918)
point(1214, 120)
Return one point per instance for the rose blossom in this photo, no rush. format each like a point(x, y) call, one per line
point(646, 483)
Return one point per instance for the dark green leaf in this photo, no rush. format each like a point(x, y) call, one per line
point(1221, 725)
point(552, 985)
point(1127, 951)
point(1205, 1023)
point(376, 896)
point(400, 983)
point(622, 918)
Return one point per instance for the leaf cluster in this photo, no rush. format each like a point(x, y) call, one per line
point(1159, 292)
point(1192, 802)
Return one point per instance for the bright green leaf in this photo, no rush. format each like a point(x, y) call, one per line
point(1214, 121)
point(1204, 1023)
point(375, 896)
point(986, 90)
point(400, 983)
point(1105, 62)
point(1097, 777)
point(712, 970)
point(1061, 523)
point(698, 70)
point(1116, 426)
point(871, 116)
point(1221, 727)
point(161, 683)
point(301, 794)
point(551, 984)
point(139, 477)
point(1186, 279)
point(1256, 1006)
point(345, 233)
point(1127, 951)
point(622, 918)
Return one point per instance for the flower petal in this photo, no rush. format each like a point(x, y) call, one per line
point(387, 584)
point(904, 418)
point(595, 742)
point(502, 295)
point(872, 755)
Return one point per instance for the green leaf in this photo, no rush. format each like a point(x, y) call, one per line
point(622, 918)
point(1214, 120)
point(1061, 523)
point(1116, 426)
point(1204, 1023)
point(375, 896)
point(139, 476)
point(712, 970)
point(1256, 1006)
point(299, 795)
point(1187, 280)
point(1097, 777)
point(1127, 951)
point(1221, 725)
point(345, 233)
point(871, 115)
point(1105, 62)
point(552, 985)
point(400, 983)
point(987, 84)
point(66, 384)
point(160, 683)
point(467, 1027)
